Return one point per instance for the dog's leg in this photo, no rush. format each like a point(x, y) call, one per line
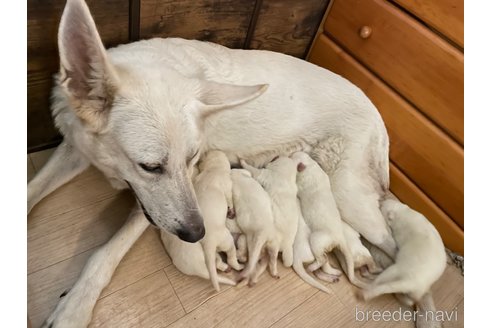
point(359, 206)
point(220, 264)
point(75, 309)
point(327, 268)
point(242, 248)
point(65, 163)
point(272, 260)
point(230, 251)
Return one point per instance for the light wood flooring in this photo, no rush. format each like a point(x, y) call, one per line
point(147, 290)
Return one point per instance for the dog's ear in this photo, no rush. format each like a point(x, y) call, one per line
point(213, 96)
point(86, 75)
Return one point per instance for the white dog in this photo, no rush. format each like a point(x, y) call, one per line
point(255, 219)
point(213, 188)
point(143, 112)
point(189, 259)
point(278, 179)
point(303, 254)
point(421, 257)
point(320, 211)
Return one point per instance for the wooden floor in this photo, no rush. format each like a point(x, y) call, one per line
point(148, 291)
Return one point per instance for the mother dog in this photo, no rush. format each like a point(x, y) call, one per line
point(142, 113)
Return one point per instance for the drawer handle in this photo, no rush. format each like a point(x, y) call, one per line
point(365, 32)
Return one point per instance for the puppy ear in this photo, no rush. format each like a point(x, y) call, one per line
point(86, 75)
point(251, 169)
point(301, 167)
point(213, 96)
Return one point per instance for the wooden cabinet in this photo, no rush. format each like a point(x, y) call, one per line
point(414, 76)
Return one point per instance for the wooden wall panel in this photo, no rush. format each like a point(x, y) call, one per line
point(424, 68)
point(43, 17)
point(429, 157)
point(446, 16)
point(224, 22)
point(287, 26)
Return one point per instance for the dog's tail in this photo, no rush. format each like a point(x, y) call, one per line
point(301, 271)
point(347, 264)
point(210, 254)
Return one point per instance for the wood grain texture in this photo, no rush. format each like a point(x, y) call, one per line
point(446, 16)
point(43, 17)
point(149, 302)
point(420, 65)
point(287, 26)
point(421, 150)
point(192, 291)
point(224, 22)
point(411, 195)
point(260, 306)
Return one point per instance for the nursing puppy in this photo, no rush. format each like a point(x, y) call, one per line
point(303, 254)
point(278, 179)
point(320, 211)
point(421, 258)
point(363, 260)
point(189, 259)
point(213, 188)
point(254, 217)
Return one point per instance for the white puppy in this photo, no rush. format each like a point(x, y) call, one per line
point(303, 254)
point(189, 259)
point(278, 178)
point(254, 217)
point(213, 188)
point(363, 260)
point(421, 257)
point(320, 211)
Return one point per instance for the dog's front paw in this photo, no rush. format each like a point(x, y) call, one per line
point(73, 311)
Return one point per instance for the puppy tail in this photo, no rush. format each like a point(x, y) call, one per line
point(299, 269)
point(209, 253)
point(347, 264)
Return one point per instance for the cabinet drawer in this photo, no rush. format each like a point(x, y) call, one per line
point(446, 16)
point(429, 157)
point(416, 62)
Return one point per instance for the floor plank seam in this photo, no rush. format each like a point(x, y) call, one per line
point(66, 259)
point(44, 218)
point(307, 299)
point(132, 283)
point(175, 294)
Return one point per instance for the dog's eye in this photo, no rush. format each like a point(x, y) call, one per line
point(151, 168)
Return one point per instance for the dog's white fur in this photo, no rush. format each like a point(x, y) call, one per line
point(162, 102)
point(322, 217)
point(363, 260)
point(278, 179)
point(421, 257)
point(303, 254)
point(189, 259)
point(254, 217)
point(213, 188)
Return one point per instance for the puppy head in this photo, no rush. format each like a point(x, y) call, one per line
point(214, 159)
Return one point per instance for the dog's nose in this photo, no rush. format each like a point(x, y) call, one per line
point(191, 235)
